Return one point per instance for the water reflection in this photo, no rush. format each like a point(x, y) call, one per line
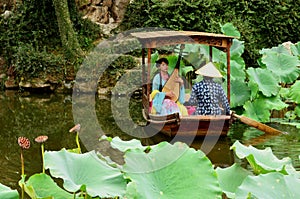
point(52, 115)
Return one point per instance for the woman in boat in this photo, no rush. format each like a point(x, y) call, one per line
point(209, 95)
point(161, 101)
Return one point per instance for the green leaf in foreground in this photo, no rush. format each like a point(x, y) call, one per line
point(122, 145)
point(7, 193)
point(228, 185)
point(42, 186)
point(161, 173)
point(269, 186)
point(262, 161)
point(85, 169)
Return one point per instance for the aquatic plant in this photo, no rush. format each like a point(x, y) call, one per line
point(76, 129)
point(162, 170)
point(41, 139)
point(24, 143)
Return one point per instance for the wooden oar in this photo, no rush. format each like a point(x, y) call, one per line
point(265, 128)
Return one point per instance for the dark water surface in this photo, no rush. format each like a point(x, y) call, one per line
point(32, 115)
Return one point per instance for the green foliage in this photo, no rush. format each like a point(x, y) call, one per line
point(263, 80)
point(261, 23)
point(30, 62)
point(285, 66)
point(173, 176)
point(295, 92)
point(43, 186)
point(86, 169)
point(7, 193)
point(163, 171)
point(285, 186)
point(225, 178)
point(33, 26)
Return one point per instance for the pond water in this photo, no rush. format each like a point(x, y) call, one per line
point(29, 115)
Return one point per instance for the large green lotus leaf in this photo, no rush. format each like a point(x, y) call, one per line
point(218, 55)
point(131, 192)
point(273, 103)
point(265, 80)
point(237, 70)
point(8, 193)
point(262, 161)
point(237, 48)
point(85, 169)
point(295, 92)
point(278, 49)
point(239, 93)
point(42, 186)
point(230, 29)
point(228, 184)
point(172, 171)
point(254, 90)
point(269, 186)
point(122, 145)
point(284, 92)
point(257, 110)
point(295, 48)
point(283, 65)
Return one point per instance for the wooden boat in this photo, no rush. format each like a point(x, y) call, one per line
point(174, 124)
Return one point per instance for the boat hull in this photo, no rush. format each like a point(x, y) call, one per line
point(195, 125)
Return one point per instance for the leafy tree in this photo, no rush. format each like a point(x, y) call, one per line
point(67, 34)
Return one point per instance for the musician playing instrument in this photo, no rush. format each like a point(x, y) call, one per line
point(166, 101)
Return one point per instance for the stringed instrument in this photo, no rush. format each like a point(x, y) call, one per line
point(172, 84)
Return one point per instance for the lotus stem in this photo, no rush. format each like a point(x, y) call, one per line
point(76, 129)
point(77, 142)
point(42, 149)
point(24, 143)
point(42, 139)
point(22, 163)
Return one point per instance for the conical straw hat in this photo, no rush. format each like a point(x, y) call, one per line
point(209, 70)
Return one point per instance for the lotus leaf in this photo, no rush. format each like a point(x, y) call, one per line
point(269, 186)
point(236, 49)
point(122, 145)
point(262, 161)
point(279, 49)
point(8, 193)
point(257, 110)
point(265, 81)
point(228, 185)
point(295, 92)
point(240, 93)
point(273, 103)
point(296, 49)
point(172, 171)
point(230, 29)
point(85, 169)
point(237, 70)
point(42, 186)
point(283, 65)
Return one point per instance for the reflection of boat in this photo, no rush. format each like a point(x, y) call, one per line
point(174, 124)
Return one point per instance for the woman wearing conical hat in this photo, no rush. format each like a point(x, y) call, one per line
point(208, 95)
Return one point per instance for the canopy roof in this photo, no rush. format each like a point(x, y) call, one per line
point(159, 38)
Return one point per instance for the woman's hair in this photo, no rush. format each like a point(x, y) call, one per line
point(161, 60)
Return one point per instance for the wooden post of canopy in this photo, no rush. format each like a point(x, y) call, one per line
point(228, 71)
point(143, 67)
